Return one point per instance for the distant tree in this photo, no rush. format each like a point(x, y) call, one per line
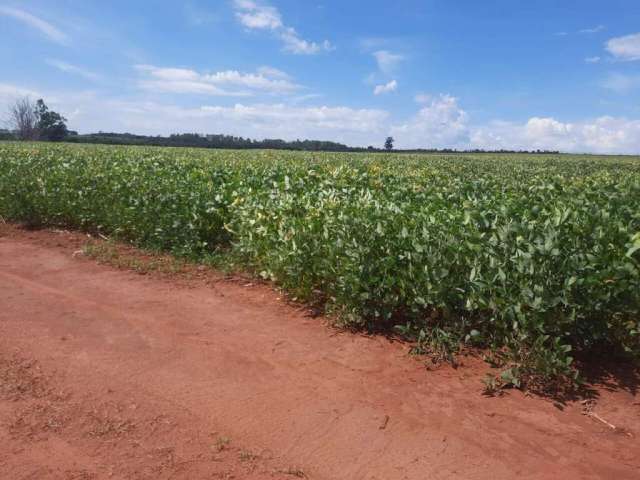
point(51, 125)
point(6, 135)
point(23, 119)
point(388, 143)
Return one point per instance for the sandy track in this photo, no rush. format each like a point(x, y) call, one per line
point(130, 376)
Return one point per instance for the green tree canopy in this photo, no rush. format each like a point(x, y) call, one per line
point(388, 143)
point(51, 125)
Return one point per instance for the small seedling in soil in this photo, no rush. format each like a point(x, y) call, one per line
point(247, 456)
point(222, 443)
point(295, 472)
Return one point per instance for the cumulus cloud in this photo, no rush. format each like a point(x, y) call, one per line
point(72, 69)
point(600, 135)
point(46, 28)
point(592, 60)
point(225, 83)
point(353, 126)
point(252, 15)
point(546, 132)
point(323, 117)
point(289, 122)
point(625, 48)
point(391, 86)
point(440, 123)
point(258, 16)
point(387, 61)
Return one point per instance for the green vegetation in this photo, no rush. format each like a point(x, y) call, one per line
point(534, 257)
point(207, 141)
point(30, 121)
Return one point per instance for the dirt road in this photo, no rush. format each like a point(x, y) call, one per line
point(107, 374)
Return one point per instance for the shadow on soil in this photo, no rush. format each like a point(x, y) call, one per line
point(605, 375)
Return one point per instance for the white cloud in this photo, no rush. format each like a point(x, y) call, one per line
point(440, 123)
point(625, 48)
point(294, 44)
point(601, 135)
point(597, 29)
point(387, 61)
point(258, 16)
point(51, 32)
point(273, 72)
point(226, 83)
point(289, 122)
point(324, 117)
point(392, 86)
point(252, 15)
point(609, 135)
point(592, 60)
point(11, 93)
point(422, 98)
point(73, 69)
point(621, 83)
point(353, 126)
point(543, 129)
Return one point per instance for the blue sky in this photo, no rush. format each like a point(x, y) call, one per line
point(559, 74)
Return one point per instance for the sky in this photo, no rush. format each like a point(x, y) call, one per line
point(536, 74)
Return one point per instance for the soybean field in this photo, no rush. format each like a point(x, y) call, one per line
point(534, 259)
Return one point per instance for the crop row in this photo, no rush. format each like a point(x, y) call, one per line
point(535, 257)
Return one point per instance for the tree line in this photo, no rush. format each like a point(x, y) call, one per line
point(28, 121)
point(207, 141)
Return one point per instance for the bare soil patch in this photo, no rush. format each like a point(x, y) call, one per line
point(181, 373)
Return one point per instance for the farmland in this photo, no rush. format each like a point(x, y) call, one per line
point(534, 258)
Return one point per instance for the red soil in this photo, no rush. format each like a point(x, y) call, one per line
point(107, 374)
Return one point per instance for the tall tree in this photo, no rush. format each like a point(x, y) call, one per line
point(23, 119)
point(51, 125)
point(388, 143)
